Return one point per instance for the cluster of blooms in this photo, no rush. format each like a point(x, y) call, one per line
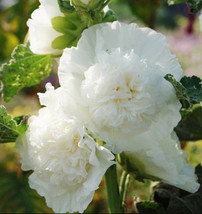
point(113, 87)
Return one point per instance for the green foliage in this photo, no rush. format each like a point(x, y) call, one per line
point(25, 69)
point(193, 87)
point(16, 195)
point(11, 128)
point(169, 199)
point(190, 126)
point(188, 90)
point(177, 201)
point(195, 5)
point(149, 207)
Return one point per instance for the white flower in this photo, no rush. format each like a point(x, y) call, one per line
point(116, 77)
point(165, 160)
point(68, 165)
point(41, 32)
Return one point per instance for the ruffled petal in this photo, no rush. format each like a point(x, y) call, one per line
point(68, 164)
point(116, 76)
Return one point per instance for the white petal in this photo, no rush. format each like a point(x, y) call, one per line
point(117, 55)
point(41, 32)
point(164, 159)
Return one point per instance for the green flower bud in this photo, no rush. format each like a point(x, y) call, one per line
point(88, 4)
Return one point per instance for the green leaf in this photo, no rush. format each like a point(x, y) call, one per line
point(195, 5)
point(180, 91)
point(188, 90)
point(190, 126)
point(149, 207)
point(16, 195)
point(25, 69)
point(11, 128)
point(193, 87)
point(177, 201)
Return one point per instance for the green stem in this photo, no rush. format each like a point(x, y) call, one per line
point(122, 184)
point(114, 200)
point(125, 178)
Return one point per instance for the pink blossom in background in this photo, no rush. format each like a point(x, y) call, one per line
point(188, 50)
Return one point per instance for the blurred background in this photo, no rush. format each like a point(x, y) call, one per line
point(184, 40)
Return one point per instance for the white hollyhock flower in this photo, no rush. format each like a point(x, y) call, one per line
point(116, 76)
point(165, 160)
point(67, 163)
point(41, 32)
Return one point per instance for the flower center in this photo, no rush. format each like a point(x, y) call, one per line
point(120, 90)
point(65, 160)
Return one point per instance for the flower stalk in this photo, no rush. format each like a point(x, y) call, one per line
point(124, 182)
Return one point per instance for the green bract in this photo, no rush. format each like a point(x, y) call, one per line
point(65, 6)
point(71, 25)
point(78, 15)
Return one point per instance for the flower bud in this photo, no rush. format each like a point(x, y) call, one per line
point(88, 4)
